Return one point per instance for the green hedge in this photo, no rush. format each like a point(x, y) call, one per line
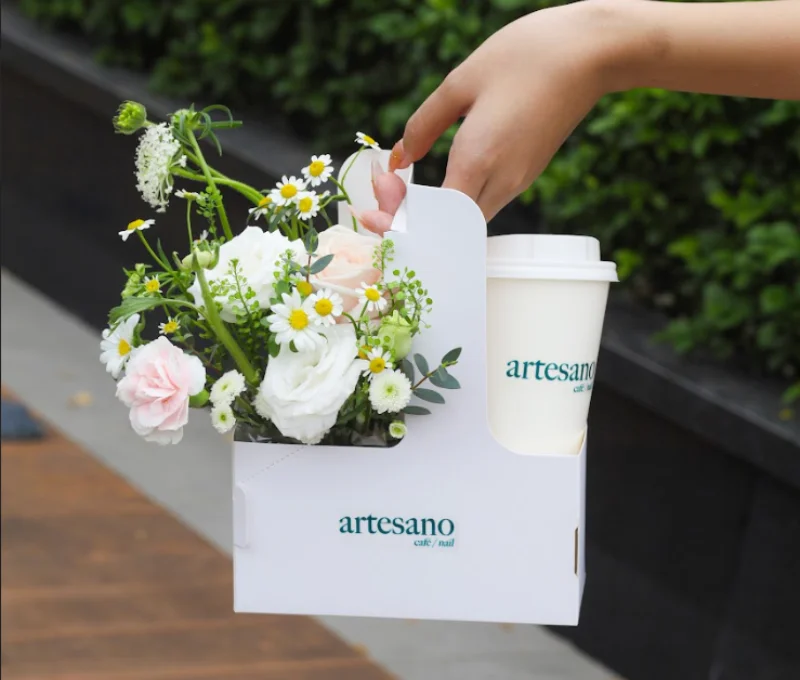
point(696, 197)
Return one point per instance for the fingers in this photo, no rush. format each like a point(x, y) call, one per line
point(439, 111)
point(376, 221)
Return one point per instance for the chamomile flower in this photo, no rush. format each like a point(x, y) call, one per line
point(366, 140)
point(397, 429)
point(319, 170)
point(117, 345)
point(377, 361)
point(152, 284)
point(286, 190)
point(291, 322)
point(371, 297)
point(262, 208)
point(227, 388)
point(136, 225)
point(157, 154)
point(325, 307)
point(307, 205)
point(168, 327)
point(222, 418)
point(389, 392)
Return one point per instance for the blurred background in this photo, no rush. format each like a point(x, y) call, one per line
point(694, 468)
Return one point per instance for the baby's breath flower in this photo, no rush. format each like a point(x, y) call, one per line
point(136, 225)
point(319, 170)
point(366, 140)
point(158, 152)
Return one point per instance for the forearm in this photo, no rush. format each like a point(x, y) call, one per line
point(749, 49)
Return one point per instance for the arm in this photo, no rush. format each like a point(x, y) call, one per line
point(526, 88)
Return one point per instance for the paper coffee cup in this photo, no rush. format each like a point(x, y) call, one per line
point(546, 299)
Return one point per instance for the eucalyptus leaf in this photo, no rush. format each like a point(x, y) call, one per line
point(452, 356)
point(441, 378)
point(422, 365)
point(416, 411)
point(321, 263)
point(408, 368)
point(429, 395)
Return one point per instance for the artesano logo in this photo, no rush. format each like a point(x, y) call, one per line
point(551, 371)
point(436, 532)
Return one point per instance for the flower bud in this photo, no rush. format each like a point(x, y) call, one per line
point(204, 259)
point(131, 286)
point(397, 429)
point(395, 335)
point(131, 117)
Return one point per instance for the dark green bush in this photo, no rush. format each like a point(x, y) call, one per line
point(696, 197)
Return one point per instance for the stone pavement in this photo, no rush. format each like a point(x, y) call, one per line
point(50, 360)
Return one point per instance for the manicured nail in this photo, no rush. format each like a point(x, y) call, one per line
point(397, 157)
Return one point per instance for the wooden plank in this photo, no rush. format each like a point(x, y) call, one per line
point(98, 583)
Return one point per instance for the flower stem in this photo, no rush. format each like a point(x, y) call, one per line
point(346, 196)
point(221, 331)
point(245, 189)
point(165, 267)
point(223, 217)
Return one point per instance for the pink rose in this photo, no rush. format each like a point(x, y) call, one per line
point(159, 379)
point(353, 255)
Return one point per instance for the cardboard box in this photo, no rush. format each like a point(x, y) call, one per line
point(448, 524)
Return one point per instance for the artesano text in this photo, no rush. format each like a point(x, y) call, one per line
point(551, 371)
point(396, 525)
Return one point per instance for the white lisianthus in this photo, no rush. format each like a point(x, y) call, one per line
point(222, 418)
point(156, 155)
point(302, 392)
point(227, 388)
point(116, 345)
point(389, 392)
point(257, 253)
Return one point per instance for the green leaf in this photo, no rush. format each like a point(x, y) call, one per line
point(441, 378)
point(452, 356)
point(416, 411)
point(429, 395)
point(163, 255)
point(273, 347)
point(320, 264)
point(408, 369)
point(774, 299)
point(131, 306)
point(422, 365)
point(311, 240)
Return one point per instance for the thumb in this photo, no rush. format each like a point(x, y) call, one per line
point(439, 111)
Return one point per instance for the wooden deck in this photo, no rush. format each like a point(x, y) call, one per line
point(98, 583)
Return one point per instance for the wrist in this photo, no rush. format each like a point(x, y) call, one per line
point(627, 41)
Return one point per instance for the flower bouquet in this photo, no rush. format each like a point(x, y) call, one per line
point(293, 330)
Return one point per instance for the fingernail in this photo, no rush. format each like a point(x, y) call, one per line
point(397, 157)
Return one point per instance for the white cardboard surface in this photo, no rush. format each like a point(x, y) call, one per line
point(516, 550)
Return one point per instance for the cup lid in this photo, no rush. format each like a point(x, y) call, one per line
point(547, 256)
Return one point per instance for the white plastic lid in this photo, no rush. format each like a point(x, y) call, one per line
point(547, 256)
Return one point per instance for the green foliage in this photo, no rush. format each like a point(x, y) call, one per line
point(696, 197)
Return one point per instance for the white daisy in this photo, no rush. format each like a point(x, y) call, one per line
point(262, 208)
point(168, 327)
point(291, 322)
point(117, 345)
point(227, 388)
point(397, 429)
point(136, 225)
point(325, 307)
point(366, 140)
point(319, 170)
point(371, 297)
point(377, 362)
point(158, 152)
point(222, 418)
point(390, 392)
point(307, 205)
point(286, 190)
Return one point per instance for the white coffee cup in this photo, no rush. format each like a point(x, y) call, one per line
point(546, 299)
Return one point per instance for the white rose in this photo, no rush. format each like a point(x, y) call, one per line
point(302, 392)
point(257, 251)
point(353, 255)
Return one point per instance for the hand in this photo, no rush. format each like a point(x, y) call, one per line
point(523, 92)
